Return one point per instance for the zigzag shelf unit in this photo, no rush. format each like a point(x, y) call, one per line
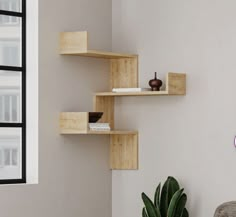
point(123, 74)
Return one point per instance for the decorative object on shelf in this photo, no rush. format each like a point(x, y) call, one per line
point(94, 116)
point(155, 83)
point(170, 201)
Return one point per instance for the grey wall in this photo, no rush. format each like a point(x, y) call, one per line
point(188, 137)
point(74, 176)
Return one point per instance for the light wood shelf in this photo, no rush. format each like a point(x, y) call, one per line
point(175, 85)
point(99, 54)
point(111, 132)
point(123, 144)
point(123, 74)
point(143, 93)
point(76, 43)
point(78, 123)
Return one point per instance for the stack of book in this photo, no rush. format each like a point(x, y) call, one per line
point(99, 126)
point(136, 89)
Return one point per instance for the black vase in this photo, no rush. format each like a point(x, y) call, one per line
point(155, 83)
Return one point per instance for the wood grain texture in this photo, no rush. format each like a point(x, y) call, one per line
point(73, 42)
point(74, 122)
point(124, 152)
point(124, 73)
point(176, 83)
point(105, 104)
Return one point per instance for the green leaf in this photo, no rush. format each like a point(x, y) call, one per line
point(173, 187)
point(157, 196)
point(164, 198)
point(180, 205)
point(144, 213)
point(174, 202)
point(185, 213)
point(152, 211)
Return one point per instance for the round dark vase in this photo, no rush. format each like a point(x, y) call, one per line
point(155, 83)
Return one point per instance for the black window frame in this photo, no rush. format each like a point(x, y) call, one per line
point(21, 69)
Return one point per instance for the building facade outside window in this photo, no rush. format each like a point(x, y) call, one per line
point(9, 5)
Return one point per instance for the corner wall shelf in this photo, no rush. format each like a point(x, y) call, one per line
point(123, 74)
point(77, 123)
point(175, 85)
point(76, 43)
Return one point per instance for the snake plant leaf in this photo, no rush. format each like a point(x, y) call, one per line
point(164, 198)
point(144, 213)
point(157, 196)
point(174, 202)
point(185, 213)
point(152, 211)
point(180, 205)
point(173, 187)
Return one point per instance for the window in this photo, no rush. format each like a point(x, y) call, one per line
point(12, 91)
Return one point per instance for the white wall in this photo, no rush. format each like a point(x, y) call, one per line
point(74, 175)
point(188, 137)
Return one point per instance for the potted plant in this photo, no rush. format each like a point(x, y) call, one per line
point(169, 201)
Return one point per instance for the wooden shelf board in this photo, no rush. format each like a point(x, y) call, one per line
point(100, 54)
point(112, 132)
point(143, 93)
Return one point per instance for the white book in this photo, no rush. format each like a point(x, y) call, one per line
point(136, 89)
point(100, 129)
point(99, 125)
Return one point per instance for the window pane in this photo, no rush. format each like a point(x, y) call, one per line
point(10, 40)
point(10, 153)
point(10, 97)
point(10, 5)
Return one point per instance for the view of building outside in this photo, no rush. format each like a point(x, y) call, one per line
point(10, 91)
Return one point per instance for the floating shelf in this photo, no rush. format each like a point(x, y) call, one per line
point(143, 93)
point(76, 43)
point(89, 132)
point(123, 144)
point(175, 85)
point(77, 123)
point(98, 54)
point(123, 74)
